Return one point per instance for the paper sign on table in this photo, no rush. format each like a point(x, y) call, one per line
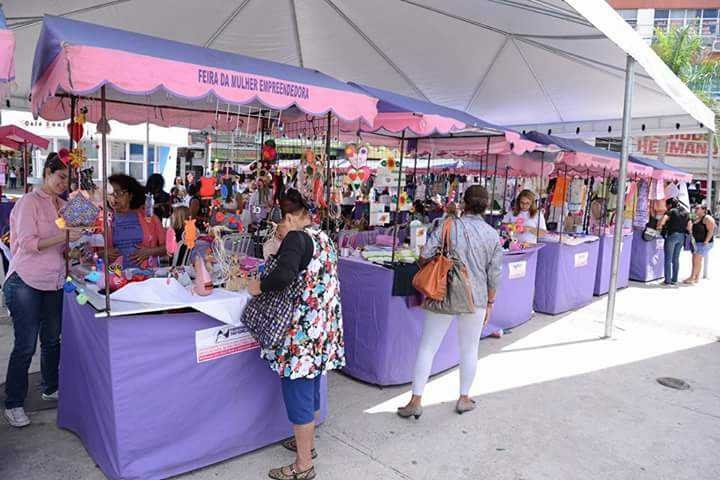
point(581, 259)
point(217, 342)
point(517, 270)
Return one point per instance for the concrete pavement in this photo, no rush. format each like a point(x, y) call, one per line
point(554, 402)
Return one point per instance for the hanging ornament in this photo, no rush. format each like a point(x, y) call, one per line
point(77, 157)
point(190, 233)
point(64, 155)
point(75, 130)
point(82, 298)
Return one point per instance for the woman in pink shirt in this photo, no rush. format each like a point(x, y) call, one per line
point(33, 289)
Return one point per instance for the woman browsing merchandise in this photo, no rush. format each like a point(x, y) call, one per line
point(525, 209)
point(674, 225)
point(478, 247)
point(314, 342)
point(33, 289)
point(703, 230)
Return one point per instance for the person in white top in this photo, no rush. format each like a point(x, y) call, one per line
point(533, 220)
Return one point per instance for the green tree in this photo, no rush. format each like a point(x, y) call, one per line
point(682, 50)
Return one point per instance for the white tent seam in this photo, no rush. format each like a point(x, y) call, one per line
point(91, 8)
point(296, 29)
point(542, 11)
point(484, 76)
point(546, 94)
point(225, 24)
point(377, 49)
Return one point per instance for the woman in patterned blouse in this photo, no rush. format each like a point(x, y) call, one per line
point(314, 343)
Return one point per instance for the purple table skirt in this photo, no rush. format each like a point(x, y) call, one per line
point(5, 209)
point(565, 277)
point(382, 333)
point(602, 277)
point(144, 409)
point(647, 261)
point(514, 299)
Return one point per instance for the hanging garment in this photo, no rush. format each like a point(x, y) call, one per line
point(561, 190)
point(657, 190)
point(642, 205)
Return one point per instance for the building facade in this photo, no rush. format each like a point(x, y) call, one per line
point(129, 150)
point(688, 152)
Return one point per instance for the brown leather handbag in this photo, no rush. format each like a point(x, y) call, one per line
point(432, 279)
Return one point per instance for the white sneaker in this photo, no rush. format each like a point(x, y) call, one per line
point(16, 417)
point(52, 397)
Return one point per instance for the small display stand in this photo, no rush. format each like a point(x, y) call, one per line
point(602, 278)
point(647, 261)
point(565, 276)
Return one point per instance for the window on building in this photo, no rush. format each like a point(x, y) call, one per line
point(118, 157)
point(703, 21)
point(152, 166)
point(630, 16)
point(91, 152)
point(137, 161)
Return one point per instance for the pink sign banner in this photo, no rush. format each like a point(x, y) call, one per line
point(82, 70)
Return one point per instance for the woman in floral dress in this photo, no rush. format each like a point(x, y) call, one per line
point(314, 342)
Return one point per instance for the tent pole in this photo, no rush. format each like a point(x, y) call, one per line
point(487, 160)
point(415, 167)
point(709, 204)
point(73, 107)
point(588, 202)
point(106, 226)
point(397, 201)
point(562, 208)
point(601, 233)
point(327, 167)
point(542, 171)
point(427, 183)
point(617, 241)
point(492, 197)
point(26, 167)
point(502, 210)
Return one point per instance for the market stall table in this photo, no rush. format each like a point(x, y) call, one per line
point(565, 276)
point(514, 298)
point(382, 332)
point(602, 277)
point(647, 260)
point(134, 392)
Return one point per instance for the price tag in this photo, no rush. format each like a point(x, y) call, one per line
point(581, 259)
point(517, 270)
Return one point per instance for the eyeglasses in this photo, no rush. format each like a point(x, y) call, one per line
point(117, 193)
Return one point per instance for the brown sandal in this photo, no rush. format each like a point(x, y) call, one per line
point(291, 444)
point(279, 473)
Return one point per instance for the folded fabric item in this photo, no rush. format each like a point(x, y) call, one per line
point(403, 274)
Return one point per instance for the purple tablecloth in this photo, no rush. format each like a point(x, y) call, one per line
point(131, 389)
point(5, 209)
point(647, 261)
point(565, 277)
point(382, 333)
point(602, 277)
point(514, 299)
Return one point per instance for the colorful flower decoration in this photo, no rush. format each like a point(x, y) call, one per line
point(77, 157)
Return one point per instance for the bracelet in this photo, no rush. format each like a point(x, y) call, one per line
point(491, 302)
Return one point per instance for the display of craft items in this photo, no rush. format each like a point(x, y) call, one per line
point(78, 212)
point(171, 244)
point(202, 285)
point(69, 286)
point(86, 179)
point(269, 153)
point(190, 233)
point(75, 128)
point(77, 157)
point(82, 297)
point(180, 274)
point(237, 278)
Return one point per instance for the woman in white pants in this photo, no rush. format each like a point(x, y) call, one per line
point(477, 245)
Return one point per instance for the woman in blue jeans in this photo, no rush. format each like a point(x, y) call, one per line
point(675, 224)
point(33, 289)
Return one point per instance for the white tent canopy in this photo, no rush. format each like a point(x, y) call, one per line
point(532, 64)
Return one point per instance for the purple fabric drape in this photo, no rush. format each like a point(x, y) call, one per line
point(647, 261)
point(602, 277)
point(382, 333)
point(131, 389)
point(565, 277)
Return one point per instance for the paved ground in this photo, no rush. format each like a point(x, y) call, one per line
point(555, 402)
